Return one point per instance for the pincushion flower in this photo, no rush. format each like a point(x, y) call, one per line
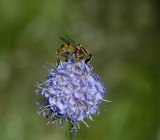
point(71, 92)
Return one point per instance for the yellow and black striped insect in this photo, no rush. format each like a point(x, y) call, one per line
point(72, 49)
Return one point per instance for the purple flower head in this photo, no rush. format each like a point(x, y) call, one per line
point(70, 92)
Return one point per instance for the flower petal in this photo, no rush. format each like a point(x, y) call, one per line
point(67, 91)
point(71, 101)
point(77, 95)
point(52, 100)
point(99, 95)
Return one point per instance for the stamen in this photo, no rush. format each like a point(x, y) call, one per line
point(37, 103)
point(105, 100)
point(85, 123)
point(37, 83)
point(51, 116)
point(78, 125)
point(46, 68)
point(68, 97)
point(47, 122)
point(60, 80)
point(90, 117)
point(53, 122)
point(89, 74)
point(89, 78)
point(92, 98)
point(83, 107)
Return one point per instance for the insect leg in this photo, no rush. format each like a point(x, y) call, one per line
point(78, 61)
point(58, 61)
point(75, 53)
point(84, 65)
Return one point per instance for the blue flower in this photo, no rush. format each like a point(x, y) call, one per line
point(70, 92)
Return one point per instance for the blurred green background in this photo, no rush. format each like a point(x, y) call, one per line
point(124, 38)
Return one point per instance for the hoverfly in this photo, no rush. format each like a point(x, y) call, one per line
point(72, 49)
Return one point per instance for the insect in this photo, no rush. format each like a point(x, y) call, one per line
point(72, 49)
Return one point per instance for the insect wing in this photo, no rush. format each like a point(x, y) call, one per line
point(68, 41)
